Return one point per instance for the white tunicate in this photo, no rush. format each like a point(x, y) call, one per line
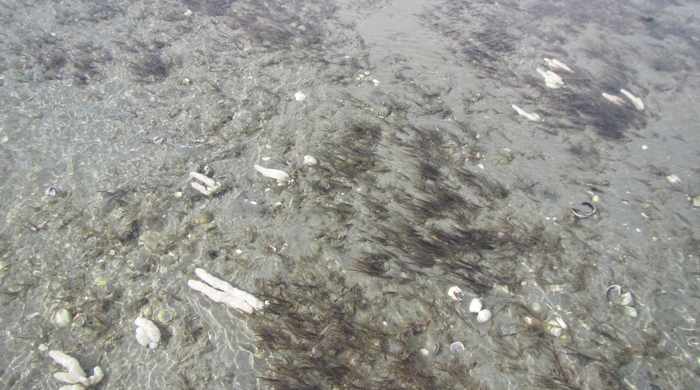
point(475, 306)
point(484, 315)
point(299, 96)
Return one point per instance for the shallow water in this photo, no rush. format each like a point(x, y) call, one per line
point(115, 104)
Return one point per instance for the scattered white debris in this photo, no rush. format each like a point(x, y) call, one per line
point(220, 291)
point(454, 292)
point(280, 176)
point(555, 64)
point(457, 346)
point(484, 315)
point(475, 305)
point(209, 186)
point(530, 116)
point(614, 99)
point(673, 179)
point(76, 375)
point(637, 102)
point(557, 326)
point(310, 160)
point(299, 96)
point(551, 79)
point(147, 333)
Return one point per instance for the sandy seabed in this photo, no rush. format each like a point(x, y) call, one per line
point(427, 178)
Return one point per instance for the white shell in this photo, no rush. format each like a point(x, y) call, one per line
point(62, 318)
point(299, 96)
point(475, 306)
point(310, 160)
point(454, 292)
point(627, 299)
point(555, 331)
point(484, 315)
point(561, 323)
point(272, 173)
point(630, 311)
point(457, 346)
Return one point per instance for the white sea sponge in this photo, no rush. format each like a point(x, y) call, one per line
point(147, 333)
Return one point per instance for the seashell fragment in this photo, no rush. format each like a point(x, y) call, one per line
point(584, 214)
point(475, 306)
point(674, 179)
point(457, 346)
point(630, 311)
point(637, 102)
point(551, 79)
point(310, 160)
point(52, 191)
point(147, 333)
point(533, 117)
point(555, 331)
point(626, 299)
point(557, 65)
point(299, 96)
point(79, 320)
point(280, 176)
point(561, 323)
point(613, 99)
point(484, 315)
point(454, 292)
point(62, 318)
